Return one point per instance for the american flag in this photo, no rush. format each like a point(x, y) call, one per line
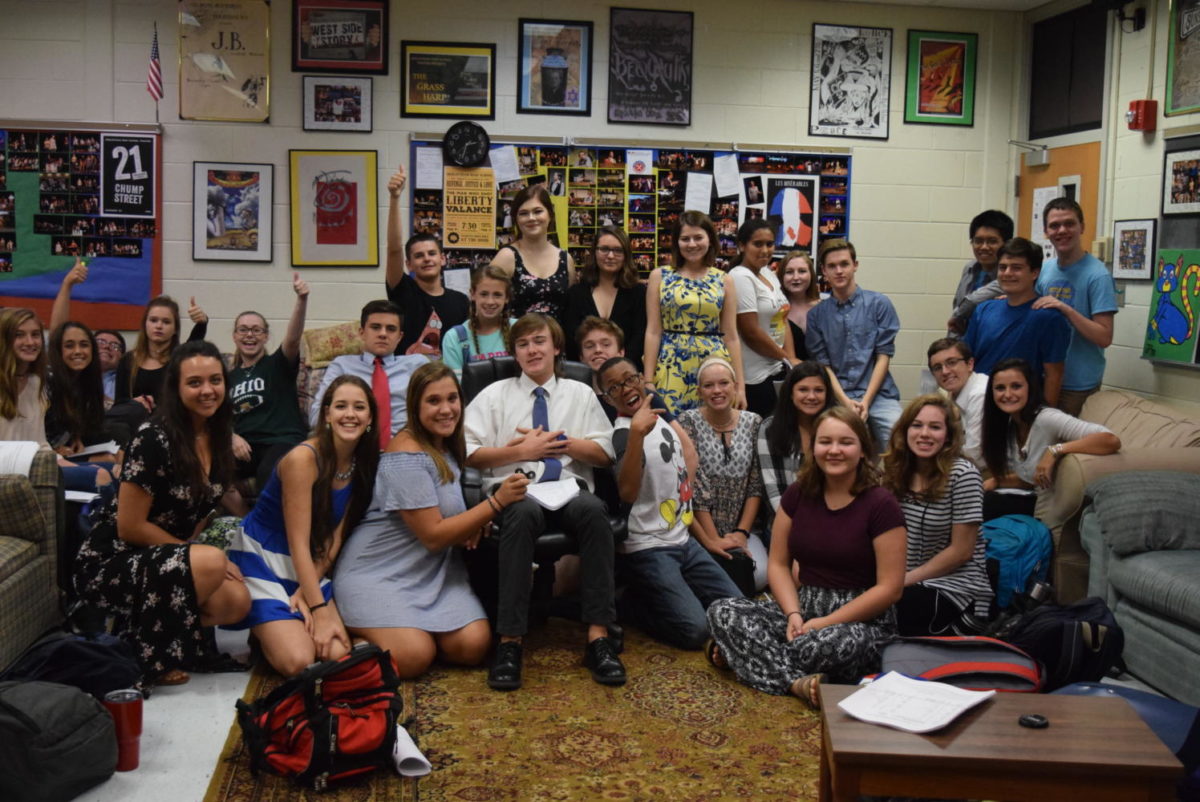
point(154, 73)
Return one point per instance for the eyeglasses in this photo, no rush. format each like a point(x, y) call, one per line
point(257, 331)
point(983, 242)
point(631, 383)
point(108, 345)
point(609, 251)
point(949, 364)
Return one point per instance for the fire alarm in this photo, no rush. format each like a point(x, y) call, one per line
point(1142, 115)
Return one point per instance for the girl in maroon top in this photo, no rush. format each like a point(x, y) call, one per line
point(847, 535)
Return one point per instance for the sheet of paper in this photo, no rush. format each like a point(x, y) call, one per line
point(725, 173)
point(699, 192)
point(427, 174)
point(109, 447)
point(457, 279)
point(1041, 196)
point(81, 496)
point(913, 705)
point(553, 495)
point(639, 162)
point(504, 162)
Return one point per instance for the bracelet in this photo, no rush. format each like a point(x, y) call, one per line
point(496, 506)
point(795, 612)
point(1056, 450)
point(743, 531)
point(313, 607)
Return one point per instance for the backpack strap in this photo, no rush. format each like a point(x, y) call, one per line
point(464, 342)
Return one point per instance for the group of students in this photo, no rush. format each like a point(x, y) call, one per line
point(718, 470)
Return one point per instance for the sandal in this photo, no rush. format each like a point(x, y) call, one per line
point(173, 677)
point(808, 689)
point(712, 653)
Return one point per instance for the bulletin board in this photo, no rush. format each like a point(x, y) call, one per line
point(89, 190)
point(644, 190)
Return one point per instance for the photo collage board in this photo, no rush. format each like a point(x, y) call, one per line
point(806, 196)
point(62, 197)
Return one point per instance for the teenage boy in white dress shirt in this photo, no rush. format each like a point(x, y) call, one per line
point(548, 428)
point(953, 366)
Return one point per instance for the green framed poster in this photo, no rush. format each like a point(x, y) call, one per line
point(1171, 329)
point(940, 85)
point(1183, 58)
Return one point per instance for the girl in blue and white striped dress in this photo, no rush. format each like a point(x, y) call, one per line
point(287, 545)
point(946, 589)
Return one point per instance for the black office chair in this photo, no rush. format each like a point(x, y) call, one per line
point(550, 545)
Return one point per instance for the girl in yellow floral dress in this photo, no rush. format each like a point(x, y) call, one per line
point(691, 314)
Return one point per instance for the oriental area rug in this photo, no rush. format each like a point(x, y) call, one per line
point(677, 730)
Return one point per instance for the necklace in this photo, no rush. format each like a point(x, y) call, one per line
point(346, 474)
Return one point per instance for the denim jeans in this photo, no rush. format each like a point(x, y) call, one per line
point(881, 417)
point(669, 589)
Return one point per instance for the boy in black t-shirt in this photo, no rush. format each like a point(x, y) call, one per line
point(429, 309)
point(262, 387)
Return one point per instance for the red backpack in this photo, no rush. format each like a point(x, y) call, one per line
point(972, 662)
point(333, 720)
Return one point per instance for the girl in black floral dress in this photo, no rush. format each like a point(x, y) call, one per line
point(541, 271)
point(136, 562)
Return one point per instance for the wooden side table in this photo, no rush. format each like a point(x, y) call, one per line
point(1095, 749)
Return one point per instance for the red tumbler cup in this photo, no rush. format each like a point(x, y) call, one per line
point(125, 706)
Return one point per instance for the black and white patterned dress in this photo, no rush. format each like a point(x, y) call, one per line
point(149, 588)
point(729, 470)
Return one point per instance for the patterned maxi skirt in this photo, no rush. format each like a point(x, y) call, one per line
point(752, 636)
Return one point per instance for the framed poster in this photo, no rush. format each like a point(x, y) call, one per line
point(554, 67)
point(448, 79)
point(231, 211)
point(791, 209)
point(346, 36)
point(851, 81)
point(940, 85)
point(127, 179)
point(1183, 58)
point(225, 61)
point(1171, 329)
point(335, 209)
point(337, 104)
point(650, 66)
point(1181, 182)
point(1134, 249)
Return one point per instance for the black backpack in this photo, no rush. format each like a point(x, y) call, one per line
point(1078, 642)
point(55, 742)
point(95, 663)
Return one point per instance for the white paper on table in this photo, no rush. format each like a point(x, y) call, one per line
point(408, 758)
point(81, 496)
point(639, 162)
point(428, 172)
point(725, 172)
point(458, 279)
point(504, 164)
point(553, 495)
point(699, 192)
point(908, 704)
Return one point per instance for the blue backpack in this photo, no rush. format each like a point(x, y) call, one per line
point(1021, 545)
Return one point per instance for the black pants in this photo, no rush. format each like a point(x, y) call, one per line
point(263, 459)
point(584, 516)
point(761, 397)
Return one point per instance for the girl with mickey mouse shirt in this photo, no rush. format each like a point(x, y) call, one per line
point(670, 578)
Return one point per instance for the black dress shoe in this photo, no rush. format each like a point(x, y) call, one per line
point(505, 673)
point(601, 658)
point(616, 634)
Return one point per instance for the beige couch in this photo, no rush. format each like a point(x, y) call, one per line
point(1153, 436)
point(31, 517)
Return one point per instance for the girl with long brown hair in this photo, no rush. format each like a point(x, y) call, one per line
point(608, 288)
point(289, 542)
point(540, 271)
point(946, 588)
point(141, 372)
point(485, 332)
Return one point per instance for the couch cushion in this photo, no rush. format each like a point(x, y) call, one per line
point(1141, 422)
point(322, 346)
point(15, 553)
point(1148, 510)
point(1166, 582)
point(20, 515)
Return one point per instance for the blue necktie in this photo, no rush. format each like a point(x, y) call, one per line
point(541, 417)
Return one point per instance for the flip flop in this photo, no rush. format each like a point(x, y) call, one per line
point(807, 689)
point(173, 677)
point(712, 653)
